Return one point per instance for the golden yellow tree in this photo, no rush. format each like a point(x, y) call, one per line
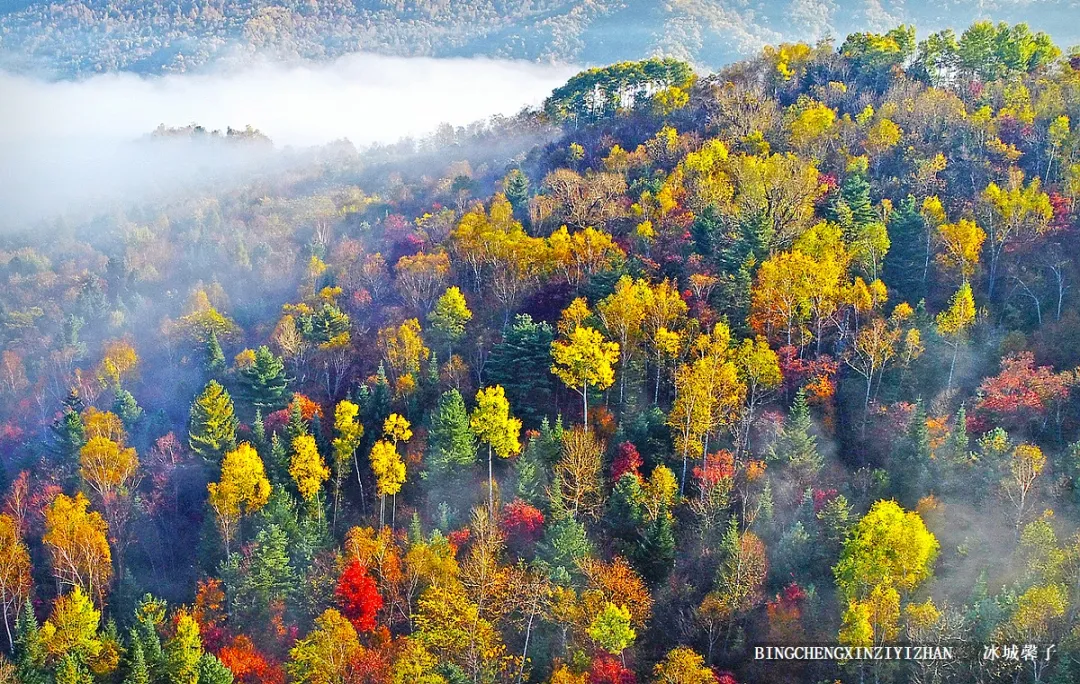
point(14, 573)
point(78, 544)
point(584, 358)
point(242, 490)
point(308, 469)
point(492, 423)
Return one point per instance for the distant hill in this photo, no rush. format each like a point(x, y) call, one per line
point(72, 37)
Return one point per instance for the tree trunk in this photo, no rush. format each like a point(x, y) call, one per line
point(491, 485)
point(585, 396)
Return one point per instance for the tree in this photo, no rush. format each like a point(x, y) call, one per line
point(184, 650)
point(242, 490)
point(683, 666)
point(118, 362)
point(611, 629)
point(78, 544)
point(421, 277)
point(584, 359)
point(449, 317)
point(212, 428)
point(888, 547)
point(349, 433)
point(1027, 462)
point(1014, 214)
point(579, 472)
point(263, 381)
point(307, 468)
point(325, 655)
point(358, 596)
point(30, 654)
point(108, 467)
point(623, 316)
point(451, 444)
point(961, 243)
point(389, 472)
point(492, 424)
point(521, 363)
point(954, 322)
point(72, 627)
point(15, 569)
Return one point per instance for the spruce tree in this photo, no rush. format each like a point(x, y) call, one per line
point(451, 445)
point(138, 672)
point(215, 357)
point(907, 261)
point(213, 423)
point(30, 651)
point(125, 406)
point(264, 383)
point(656, 553)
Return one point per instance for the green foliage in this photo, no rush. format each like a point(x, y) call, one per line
point(264, 383)
point(520, 364)
point(212, 426)
point(451, 445)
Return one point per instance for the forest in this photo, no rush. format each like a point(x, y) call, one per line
point(71, 38)
point(625, 388)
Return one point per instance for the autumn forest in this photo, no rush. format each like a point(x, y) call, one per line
point(620, 389)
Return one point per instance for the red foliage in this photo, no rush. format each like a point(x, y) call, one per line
point(1020, 396)
point(358, 596)
point(210, 614)
point(605, 669)
point(458, 538)
point(725, 677)
point(721, 465)
point(817, 376)
point(523, 522)
point(603, 422)
point(248, 664)
point(368, 667)
point(278, 419)
point(785, 612)
point(627, 460)
point(822, 497)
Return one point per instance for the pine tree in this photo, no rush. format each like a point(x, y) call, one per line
point(71, 671)
point(138, 673)
point(908, 258)
point(264, 383)
point(30, 651)
point(68, 431)
point(213, 423)
point(911, 471)
point(215, 358)
point(516, 189)
point(125, 406)
point(521, 363)
point(656, 553)
point(213, 671)
point(451, 445)
point(797, 445)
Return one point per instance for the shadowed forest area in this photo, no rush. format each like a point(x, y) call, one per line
point(615, 390)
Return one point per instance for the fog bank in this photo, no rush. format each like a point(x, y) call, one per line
point(66, 143)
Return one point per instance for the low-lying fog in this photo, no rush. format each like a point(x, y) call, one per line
point(67, 144)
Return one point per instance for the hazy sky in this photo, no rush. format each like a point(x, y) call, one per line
point(65, 142)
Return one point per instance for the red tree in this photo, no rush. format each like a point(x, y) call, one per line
point(522, 522)
point(358, 597)
point(627, 460)
point(605, 669)
point(1021, 396)
point(248, 664)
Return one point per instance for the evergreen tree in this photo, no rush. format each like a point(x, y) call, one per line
point(521, 364)
point(70, 671)
point(797, 444)
point(212, 428)
point(138, 672)
point(125, 406)
point(451, 445)
point(264, 383)
point(516, 189)
point(30, 651)
point(911, 467)
point(656, 553)
point(215, 357)
point(906, 263)
point(213, 671)
point(296, 427)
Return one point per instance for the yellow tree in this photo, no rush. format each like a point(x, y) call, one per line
point(1013, 213)
point(404, 350)
point(326, 654)
point(449, 317)
point(492, 423)
point(386, 463)
point(242, 490)
point(961, 243)
point(953, 323)
point(421, 277)
point(759, 375)
point(584, 358)
point(622, 314)
point(118, 362)
point(349, 432)
point(308, 470)
point(107, 466)
point(1025, 465)
point(78, 544)
point(14, 573)
point(664, 311)
point(780, 301)
point(72, 627)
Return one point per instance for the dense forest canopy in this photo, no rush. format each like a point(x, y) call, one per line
point(785, 354)
point(73, 37)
